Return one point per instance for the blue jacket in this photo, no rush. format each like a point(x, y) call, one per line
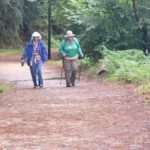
point(27, 53)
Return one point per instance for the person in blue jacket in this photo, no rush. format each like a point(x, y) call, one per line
point(36, 54)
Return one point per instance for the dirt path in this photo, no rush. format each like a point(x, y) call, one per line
point(94, 115)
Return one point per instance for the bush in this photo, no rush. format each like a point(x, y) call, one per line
point(130, 66)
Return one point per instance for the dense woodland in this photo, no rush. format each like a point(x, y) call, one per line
point(117, 24)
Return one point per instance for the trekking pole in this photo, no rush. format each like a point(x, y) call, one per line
point(80, 69)
point(62, 69)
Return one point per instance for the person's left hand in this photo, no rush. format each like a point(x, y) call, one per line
point(81, 57)
point(22, 62)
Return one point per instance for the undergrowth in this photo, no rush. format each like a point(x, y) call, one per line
point(127, 66)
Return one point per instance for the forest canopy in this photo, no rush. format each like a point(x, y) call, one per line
point(117, 24)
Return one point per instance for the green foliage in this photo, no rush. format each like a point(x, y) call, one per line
point(34, 17)
point(55, 41)
point(10, 21)
point(130, 66)
point(118, 24)
point(112, 23)
point(86, 63)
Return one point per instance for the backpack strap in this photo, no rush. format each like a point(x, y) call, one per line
point(74, 39)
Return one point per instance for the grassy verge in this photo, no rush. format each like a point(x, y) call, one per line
point(5, 87)
point(4, 52)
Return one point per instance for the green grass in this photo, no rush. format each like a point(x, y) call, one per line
point(4, 52)
point(5, 87)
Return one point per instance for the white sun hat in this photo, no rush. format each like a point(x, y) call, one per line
point(69, 33)
point(36, 34)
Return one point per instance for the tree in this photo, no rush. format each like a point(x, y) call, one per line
point(141, 15)
point(112, 23)
point(10, 21)
point(117, 24)
point(34, 17)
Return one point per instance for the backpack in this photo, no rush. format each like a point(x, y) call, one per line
point(74, 39)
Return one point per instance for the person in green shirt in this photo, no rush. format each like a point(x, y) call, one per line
point(70, 51)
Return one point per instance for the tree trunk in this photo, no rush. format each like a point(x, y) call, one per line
point(145, 39)
point(143, 29)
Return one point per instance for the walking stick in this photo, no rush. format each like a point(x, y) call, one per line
point(62, 69)
point(80, 69)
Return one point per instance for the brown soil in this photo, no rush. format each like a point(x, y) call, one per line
point(93, 115)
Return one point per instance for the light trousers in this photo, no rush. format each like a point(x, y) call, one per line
point(70, 67)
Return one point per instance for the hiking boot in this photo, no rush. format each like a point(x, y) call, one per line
point(41, 86)
point(34, 87)
point(68, 85)
point(73, 83)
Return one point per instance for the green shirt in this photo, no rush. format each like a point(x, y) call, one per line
point(70, 48)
